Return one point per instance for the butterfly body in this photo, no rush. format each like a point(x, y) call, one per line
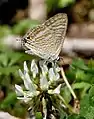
point(46, 40)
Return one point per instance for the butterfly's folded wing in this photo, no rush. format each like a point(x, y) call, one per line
point(46, 40)
point(58, 26)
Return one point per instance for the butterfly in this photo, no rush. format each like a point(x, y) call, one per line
point(46, 40)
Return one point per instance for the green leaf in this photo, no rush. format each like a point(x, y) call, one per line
point(63, 114)
point(91, 95)
point(91, 63)
point(51, 4)
point(82, 86)
point(79, 71)
point(24, 25)
point(20, 110)
point(64, 3)
point(79, 63)
point(66, 94)
point(91, 91)
point(87, 110)
point(26, 57)
point(14, 57)
point(3, 59)
point(10, 99)
point(8, 70)
point(80, 75)
point(75, 116)
point(4, 31)
point(38, 115)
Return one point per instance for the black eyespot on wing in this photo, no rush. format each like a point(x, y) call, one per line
point(25, 40)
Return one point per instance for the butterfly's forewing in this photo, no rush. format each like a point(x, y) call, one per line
point(59, 27)
point(46, 40)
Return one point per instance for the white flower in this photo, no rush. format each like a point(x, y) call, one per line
point(34, 68)
point(25, 99)
point(53, 76)
point(27, 81)
point(25, 95)
point(25, 67)
point(21, 74)
point(56, 90)
point(37, 88)
point(43, 82)
point(19, 90)
point(44, 69)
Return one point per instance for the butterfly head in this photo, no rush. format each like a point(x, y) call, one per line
point(24, 40)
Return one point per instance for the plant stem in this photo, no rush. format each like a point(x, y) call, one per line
point(67, 83)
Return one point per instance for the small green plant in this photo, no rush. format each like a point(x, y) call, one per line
point(81, 77)
point(10, 62)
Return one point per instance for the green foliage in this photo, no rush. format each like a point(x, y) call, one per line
point(87, 110)
point(64, 3)
point(22, 26)
point(81, 76)
point(79, 71)
point(18, 29)
point(66, 94)
point(8, 101)
point(4, 31)
point(52, 5)
point(38, 115)
point(10, 62)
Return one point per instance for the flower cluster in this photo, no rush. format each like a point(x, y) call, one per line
point(41, 84)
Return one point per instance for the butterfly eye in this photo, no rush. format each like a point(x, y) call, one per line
point(28, 37)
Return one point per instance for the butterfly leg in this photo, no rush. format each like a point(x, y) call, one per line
point(29, 52)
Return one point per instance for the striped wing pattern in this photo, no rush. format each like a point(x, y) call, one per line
point(47, 39)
